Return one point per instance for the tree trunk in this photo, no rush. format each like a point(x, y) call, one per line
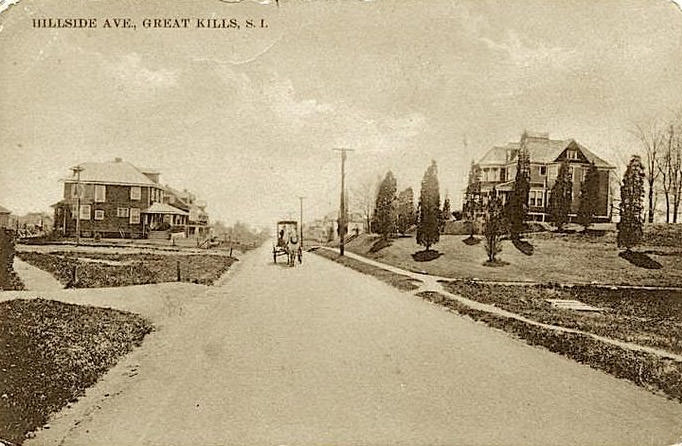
point(651, 202)
point(667, 207)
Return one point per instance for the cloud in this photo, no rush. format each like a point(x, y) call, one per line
point(130, 70)
point(528, 56)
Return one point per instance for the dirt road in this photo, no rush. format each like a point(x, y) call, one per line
point(320, 354)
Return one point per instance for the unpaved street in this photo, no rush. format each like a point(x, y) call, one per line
point(321, 354)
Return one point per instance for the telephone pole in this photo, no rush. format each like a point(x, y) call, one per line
point(77, 170)
point(342, 210)
point(300, 199)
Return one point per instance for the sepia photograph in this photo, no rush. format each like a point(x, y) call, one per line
point(340, 222)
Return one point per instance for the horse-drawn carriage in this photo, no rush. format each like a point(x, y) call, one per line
point(288, 242)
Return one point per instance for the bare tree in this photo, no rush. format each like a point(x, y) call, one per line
point(364, 197)
point(666, 169)
point(652, 138)
point(676, 166)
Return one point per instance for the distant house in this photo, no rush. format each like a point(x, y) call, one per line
point(4, 217)
point(116, 199)
point(498, 169)
point(197, 218)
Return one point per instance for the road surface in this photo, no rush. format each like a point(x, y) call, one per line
point(320, 354)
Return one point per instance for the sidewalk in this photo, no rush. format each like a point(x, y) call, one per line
point(432, 284)
point(35, 279)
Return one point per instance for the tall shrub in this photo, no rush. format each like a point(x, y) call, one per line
point(561, 196)
point(630, 228)
point(589, 196)
point(493, 226)
point(428, 225)
point(385, 206)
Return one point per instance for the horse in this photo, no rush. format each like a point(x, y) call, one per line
point(292, 249)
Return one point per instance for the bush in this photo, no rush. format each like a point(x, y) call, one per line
point(8, 278)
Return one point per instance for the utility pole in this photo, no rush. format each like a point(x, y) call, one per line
point(77, 170)
point(300, 199)
point(342, 210)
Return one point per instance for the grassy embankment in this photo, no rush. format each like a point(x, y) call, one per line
point(51, 352)
point(399, 281)
point(556, 258)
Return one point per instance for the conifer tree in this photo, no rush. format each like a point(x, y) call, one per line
point(630, 226)
point(385, 206)
point(589, 196)
point(406, 214)
point(472, 197)
point(428, 231)
point(561, 196)
point(517, 207)
point(493, 226)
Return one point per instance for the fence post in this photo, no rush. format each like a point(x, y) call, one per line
point(75, 275)
point(178, 269)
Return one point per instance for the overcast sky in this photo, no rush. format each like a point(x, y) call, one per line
point(248, 118)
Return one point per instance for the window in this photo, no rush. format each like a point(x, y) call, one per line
point(100, 193)
point(122, 212)
point(535, 198)
point(572, 154)
point(99, 214)
point(85, 212)
point(135, 192)
point(543, 170)
point(134, 215)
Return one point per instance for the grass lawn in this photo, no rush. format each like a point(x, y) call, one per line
point(51, 352)
point(652, 318)
point(399, 281)
point(570, 258)
point(96, 269)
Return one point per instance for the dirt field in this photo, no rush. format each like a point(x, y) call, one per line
point(556, 258)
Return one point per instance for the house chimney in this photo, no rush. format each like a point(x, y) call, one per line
point(118, 159)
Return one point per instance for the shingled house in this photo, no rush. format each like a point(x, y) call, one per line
point(498, 169)
point(117, 199)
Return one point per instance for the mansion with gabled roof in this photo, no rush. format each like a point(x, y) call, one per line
point(498, 170)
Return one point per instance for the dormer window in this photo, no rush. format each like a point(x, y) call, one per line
point(572, 154)
point(543, 170)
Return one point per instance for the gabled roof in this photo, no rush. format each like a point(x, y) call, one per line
point(4, 210)
point(111, 172)
point(496, 155)
point(163, 208)
point(541, 150)
point(591, 157)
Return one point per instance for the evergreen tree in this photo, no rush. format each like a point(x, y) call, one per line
point(630, 229)
point(561, 196)
point(428, 232)
point(406, 214)
point(517, 207)
point(494, 226)
point(589, 196)
point(445, 215)
point(385, 206)
point(472, 197)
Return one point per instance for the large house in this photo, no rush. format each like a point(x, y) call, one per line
point(118, 199)
point(498, 170)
